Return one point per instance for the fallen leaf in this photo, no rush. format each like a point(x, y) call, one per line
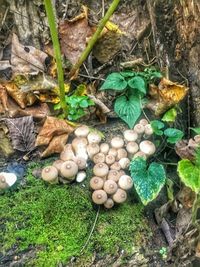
point(3, 100)
point(26, 59)
point(186, 197)
point(166, 95)
point(52, 127)
point(183, 219)
point(74, 35)
point(5, 145)
point(56, 145)
point(186, 149)
point(198, 250)
point(21, 131)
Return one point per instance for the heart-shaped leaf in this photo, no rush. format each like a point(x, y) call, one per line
point(114, 81)
point(189, 174)
point(170, 115)
point(157, 126)
point(128, 109)
point(147, 181)
point(174, 135)
point(138, 83)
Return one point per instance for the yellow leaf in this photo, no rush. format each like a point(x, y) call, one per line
point(113, 27)
point(81, 90)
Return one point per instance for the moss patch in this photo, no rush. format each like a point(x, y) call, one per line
point(57, 219)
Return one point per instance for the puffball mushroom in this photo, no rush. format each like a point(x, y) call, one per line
point(132, 148)
point(82, 131)
point(98, 158)
point(80, 177)
point(92, 149)
point(112, 151)
point(69, 169)
point(100, 169)
point(148, 130)
point(140, 154)
point(94, 138)
point(121, 153)
point(57, 163)
point(130, 135)
point(125, 182)
point(109, 203)
point(124, 163)
point(143, 122)
point(120, 196)
point(7, 179)
point(79, 144)
point(114, 175)
point(67, 153)
point(99, 197)
point(117, 142)
point(104, 148)
point(110, 187)
point(81, 162)
point(115, 166)
point(147, 147)
point(110, 159)
point(50, 174)
point(96, 183)
point(139, 128)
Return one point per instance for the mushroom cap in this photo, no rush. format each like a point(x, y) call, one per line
point(7, 179)
point(79, 142)
point(139, 128)
point(125, 182)
point(114, 175)
point(112, 151)
point(143, 122)
point(81, 176)
point(121, 172)
point(147, 147)
point(57, 163)
point(104, 148)
point(148, 130)
point(67, 153)
point(124, 163)
point(82, 131)
point(115, 166)
point(94, 137)
point(92, 149)
point(109, 203)
point(110, 187)
point(50, 174)
point(3, 183)
point(99, 197)
point(110, 159)
point(132, 147)
point(120, 196)
point(130, 135)
point(98, 158)
point(81, 162)
point(96, 183)
point(100, 169)
point(69, 169)
point(117, 142)
point(121, 153)
point(140, 154)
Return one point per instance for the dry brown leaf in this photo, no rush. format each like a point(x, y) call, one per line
point(166, 95)
point(198, 250)
point(186, 149)
point(52, 127)
point(56, 145)
point(186, 196)
point(3, 100)
point(26, 59)
point(74, 35)
point(5, 145)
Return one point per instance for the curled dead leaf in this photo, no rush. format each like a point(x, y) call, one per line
point(5, 146)
point(186, 149)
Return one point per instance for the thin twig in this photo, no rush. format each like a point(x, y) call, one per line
point(91, 232)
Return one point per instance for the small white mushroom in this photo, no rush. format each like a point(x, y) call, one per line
point(121, 153)
point(82, 131)
point(67, 153)
point(117, 142)
point(110, 187)
point(132, 148)
point(94, 138)
point(115, 166)
point(80, 177)
point(148, 130)
point(120, 196)
point(114, 175)
point(69, 169)
point(57, 163)
point(125, 182)
point(143, 122)
point(147, 147)
point(139, 128)
point(112, 151)
point(99, 197)
point(96, 183)
point(98, 158)
point(100, 169)
point(109, 203)
point(7, 180)
point(79, 145)
point(140, 154)
point(124, 163)
point(130, 135)
point(104, 148)
point(81, 162)
point(50, 174)
point(92, 149)
point(110, 159)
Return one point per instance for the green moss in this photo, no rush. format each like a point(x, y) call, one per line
point(57, 220)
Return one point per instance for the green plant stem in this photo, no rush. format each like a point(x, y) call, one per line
point(195, 208)
point(94, 38)
point(56, 47)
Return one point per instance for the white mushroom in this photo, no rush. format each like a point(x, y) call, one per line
point(143, 122)
point(69, 169)
point(99, 197)
point(92, 149)
point(67, 153)
point(81, 176)
point(100, 169)
point(112, 151)
point(79, 144)
point(140, 154)
point(125, 182)
point(104, 148)
point(139, 128)
point(82, 131)
point(147, 147)
point(124, 163)
point(120, 196)
point(98, 158)
point(130, 135)
point(117, 142)
point(132, 148)
point(50, 174)
point(148, 130)
point(94, 138)
point(121, 153)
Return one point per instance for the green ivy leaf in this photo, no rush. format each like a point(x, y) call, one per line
point(114, 81)
point(157, 126)
point(170, 115)
point(147, 181)
point(138, 83)
point(196, 130)
point(83, 103)
point(127, 74)
point(128, 110)
point(174, 135)
point(189, 174)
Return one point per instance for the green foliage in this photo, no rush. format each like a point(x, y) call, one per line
point(128, 109)
point(56, 220)
point(134, 87)
point(157, 126)
point(170, 115)
point(77, 106)
point(147, 181)
point(173, 135)
point(196, 130)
